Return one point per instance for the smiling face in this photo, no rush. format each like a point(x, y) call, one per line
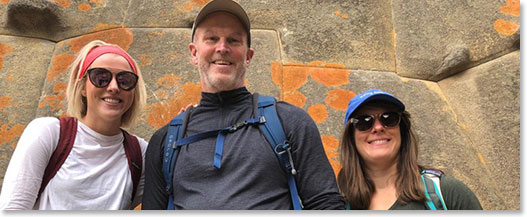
point(221, 52)
point(108, 103)
point(379, 144)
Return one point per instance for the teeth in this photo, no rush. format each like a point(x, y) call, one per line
point(378, 141)
point(222, 62)
point(111, 100)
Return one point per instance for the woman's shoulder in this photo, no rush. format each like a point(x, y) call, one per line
point(43, 123)
point(457, 194)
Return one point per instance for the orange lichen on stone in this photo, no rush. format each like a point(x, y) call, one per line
point(59, 65)
point(293, 64)
point(246, 83)
point(55, 101)
point(145, 60)
point(482, 160)
point(339, 99)
point(337, 13)
point(330, 76)
point(318, 112)
point(84, 7)
point(63, 3)
point(316, 63)
point(154, 35)
point(162, 112)
point(277, 73)
point(331, 145)
point(4, 50)
point(4, 1)
point(160, 94)
point(506, 28)
point(7, 135)
point(4, 101)
point(9, 78)
point(294, 77)
point(168, 81)
point(344, 16)
point(104, 26)
point(98, 3)
point(295, 98)
point(190, 5)
point(120, 36)
point(512, 8)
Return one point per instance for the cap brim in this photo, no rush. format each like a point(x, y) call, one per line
point(377, 96)
point(222, 5)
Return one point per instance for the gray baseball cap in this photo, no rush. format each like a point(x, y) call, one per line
point(227, 6)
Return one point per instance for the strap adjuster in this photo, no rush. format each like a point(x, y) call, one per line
point(286, 148)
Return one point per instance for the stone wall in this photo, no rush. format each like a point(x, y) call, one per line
point(456, 65)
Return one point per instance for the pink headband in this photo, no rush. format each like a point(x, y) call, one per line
point(98, 51)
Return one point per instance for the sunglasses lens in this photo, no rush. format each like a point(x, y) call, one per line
point(390, 119)
point(364, 122)
point(126, 80)
point(99, 77)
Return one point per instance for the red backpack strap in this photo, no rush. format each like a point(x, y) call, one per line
point(135, 159)
point(68, 131)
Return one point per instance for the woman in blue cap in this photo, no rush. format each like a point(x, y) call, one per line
point(378, 154)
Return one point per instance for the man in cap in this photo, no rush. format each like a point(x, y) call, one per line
point(248, 175)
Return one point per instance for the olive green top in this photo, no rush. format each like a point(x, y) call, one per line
point(457, 196)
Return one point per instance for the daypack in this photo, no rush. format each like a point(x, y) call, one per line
point(266, 119)
point(434, 197)
point(68, 131)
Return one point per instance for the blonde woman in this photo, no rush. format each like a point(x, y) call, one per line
point(105, 92)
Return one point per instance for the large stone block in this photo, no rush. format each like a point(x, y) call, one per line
point(59, 19)
point(487, 101)
point(356, 34)
point(435, 39)
point(23, 66)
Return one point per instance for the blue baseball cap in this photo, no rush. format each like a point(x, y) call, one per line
point(369, 95)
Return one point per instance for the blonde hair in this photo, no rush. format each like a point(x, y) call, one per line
point(77, 104)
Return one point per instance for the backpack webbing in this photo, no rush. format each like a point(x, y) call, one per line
point(68, 131)
point(434, 197)
point(268, 123)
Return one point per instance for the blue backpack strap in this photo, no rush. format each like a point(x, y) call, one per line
point(171, 150)
point(434, 197)
point(274, 133)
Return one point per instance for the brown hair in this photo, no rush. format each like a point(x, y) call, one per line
point(355, 184)
point(77, 105)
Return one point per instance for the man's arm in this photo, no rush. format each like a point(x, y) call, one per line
point(315, 180)
point(155, 197)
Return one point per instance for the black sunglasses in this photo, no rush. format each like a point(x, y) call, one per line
point(101, 77)
point(387, 119)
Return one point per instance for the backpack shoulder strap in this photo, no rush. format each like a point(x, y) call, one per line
point(275, 135)
point(132, 149)
point(434, 198)
point(171, 151)
point(68, 131)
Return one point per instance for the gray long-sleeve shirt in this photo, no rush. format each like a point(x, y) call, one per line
point(250, 176)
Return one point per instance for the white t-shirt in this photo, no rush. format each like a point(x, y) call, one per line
point(95, 175)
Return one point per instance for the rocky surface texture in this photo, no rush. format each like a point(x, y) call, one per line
point(455, 64)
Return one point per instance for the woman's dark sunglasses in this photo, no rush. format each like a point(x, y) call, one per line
point(101, 77)
point(387, 119)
